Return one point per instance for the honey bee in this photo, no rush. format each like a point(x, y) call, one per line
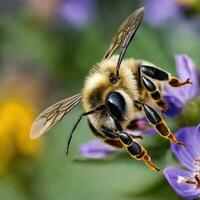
point(116, 92)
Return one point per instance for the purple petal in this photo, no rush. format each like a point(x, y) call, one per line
point(176, 98)
point(159, 13)
point(187, 69)
point(141, 126)
point(173, 175)
point(148, 132)
point(77, 12)
point(196, 145)
point(188, 154)
point(175, 106)
point(176, 92)
point(96, 149)
point(197, 134)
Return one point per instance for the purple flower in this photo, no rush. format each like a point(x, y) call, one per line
point(77, 12)
point(96, 149)
point(177, 98)
point(159, 13)
point(186, 182)
point(142, 127)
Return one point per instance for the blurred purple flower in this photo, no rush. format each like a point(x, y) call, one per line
point(78, 12)
point(176, 98)
point(186, 182)
point(160, 12)
point(96, 149)
point(141, 127)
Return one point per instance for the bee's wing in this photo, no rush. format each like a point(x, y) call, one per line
point(52, 115)
point(125, 33)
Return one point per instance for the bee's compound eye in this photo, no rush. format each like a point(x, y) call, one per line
point(116, 105)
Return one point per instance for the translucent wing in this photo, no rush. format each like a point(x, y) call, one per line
point(125, 33)
point(52, 115)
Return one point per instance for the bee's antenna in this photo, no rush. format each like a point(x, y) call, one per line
point(102, 107)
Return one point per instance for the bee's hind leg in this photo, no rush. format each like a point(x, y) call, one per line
point(156, 120)
point(124, 140)
point(136, 150)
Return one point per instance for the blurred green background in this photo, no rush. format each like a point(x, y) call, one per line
point(46, 49)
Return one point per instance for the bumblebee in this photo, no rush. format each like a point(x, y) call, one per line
point(116, 92)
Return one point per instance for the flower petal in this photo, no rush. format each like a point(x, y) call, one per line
point(176, 92)
point(187, 155)
point(141, 126)
point(159, 13)
point(197, 138)
point(187, 69)
point(173, 174)
point(77, 12)
point(175, 106)
point(95, 149)
point(176, 98)
point(149, 132)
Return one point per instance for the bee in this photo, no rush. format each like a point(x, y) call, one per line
point(116, 92)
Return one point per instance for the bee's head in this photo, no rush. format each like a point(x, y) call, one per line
point(119, 104)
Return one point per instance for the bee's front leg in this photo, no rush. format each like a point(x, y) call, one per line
point(147, 73)
point(162, 75)
point(155, 119)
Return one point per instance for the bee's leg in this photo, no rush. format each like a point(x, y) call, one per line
point(107, 137)
point(114, 143)
point(136, 136)
point(136, 150)
point(124, 140)
point(151, 87)
point(110, 134)
point(160, 125)
point(111, 137)
point(162, 75)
